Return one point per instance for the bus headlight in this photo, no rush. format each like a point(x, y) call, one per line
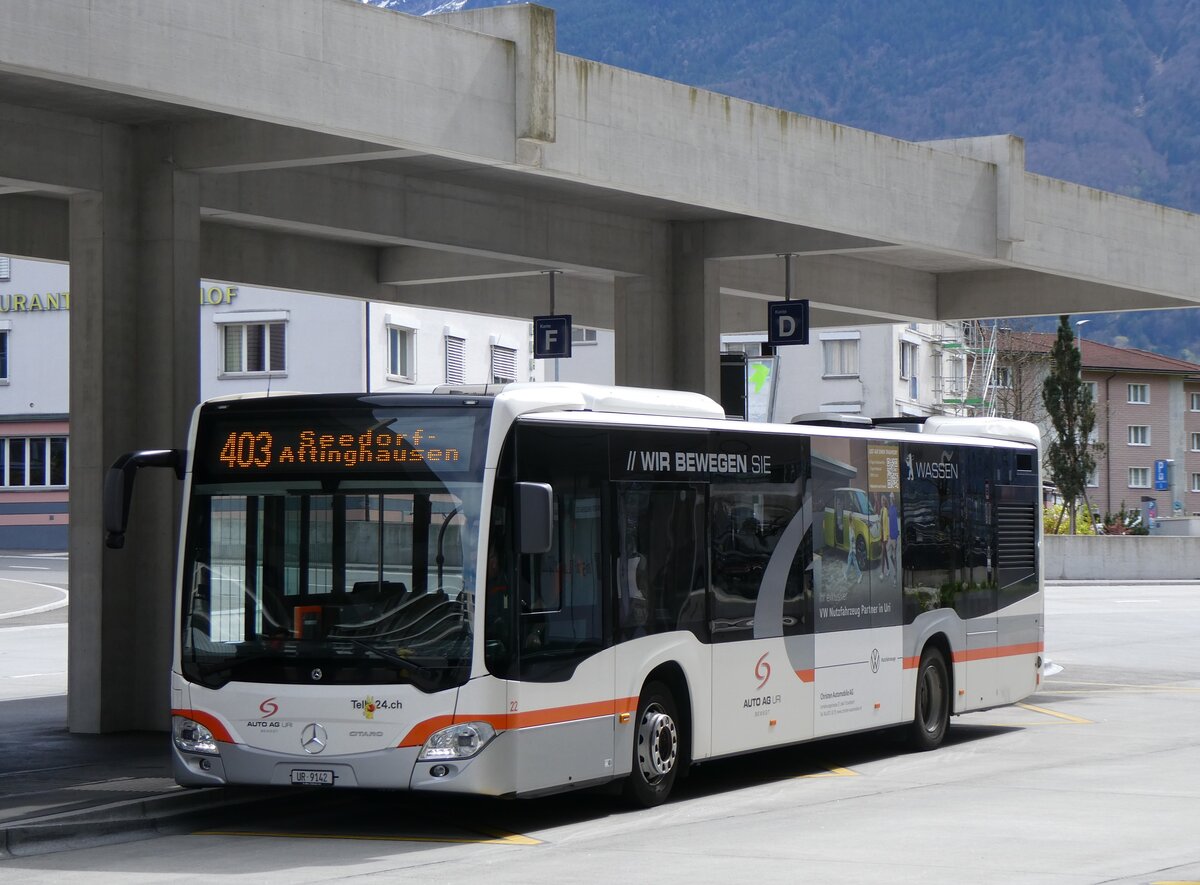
point(457, 742)
point(192, 737)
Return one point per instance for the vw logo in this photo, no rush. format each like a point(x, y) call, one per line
point(874, 660)
point(313, 738)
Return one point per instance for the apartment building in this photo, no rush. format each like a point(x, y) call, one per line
point(1147, 419)
point(918, 369)
point(251, 339)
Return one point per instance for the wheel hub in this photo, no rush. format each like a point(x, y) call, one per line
point(658, 743)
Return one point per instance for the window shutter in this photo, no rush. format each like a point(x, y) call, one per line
point(504, 365)
point(278, 337)
point(456, 354)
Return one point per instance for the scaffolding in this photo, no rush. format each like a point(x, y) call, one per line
point(973, 348)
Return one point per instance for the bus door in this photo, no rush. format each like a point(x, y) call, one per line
point(561, 702)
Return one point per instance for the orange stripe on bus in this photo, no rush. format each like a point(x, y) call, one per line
point(982, 654)
point(807, 675)
point(530, 719)
point(209, 721)
point(1001, 651)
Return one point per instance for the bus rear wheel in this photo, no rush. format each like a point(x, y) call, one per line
point(932, 712)
point(656, 747)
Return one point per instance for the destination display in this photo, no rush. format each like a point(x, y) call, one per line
point(340, 442)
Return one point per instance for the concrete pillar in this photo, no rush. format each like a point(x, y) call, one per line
point(696, 303)
point(134, 380)
point(668, 325)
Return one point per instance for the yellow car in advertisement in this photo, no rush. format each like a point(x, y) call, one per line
point(852, 525)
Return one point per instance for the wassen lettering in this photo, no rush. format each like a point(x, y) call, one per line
point(936, 470)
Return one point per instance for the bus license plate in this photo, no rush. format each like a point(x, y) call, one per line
point(319, 776)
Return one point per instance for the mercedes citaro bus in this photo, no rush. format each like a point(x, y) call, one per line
point(516, 590)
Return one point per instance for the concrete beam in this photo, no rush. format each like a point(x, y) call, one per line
point(50, 152)
point(35, 227)
point(1022, 293)
point(759, 238)
point(230, 144)
point(409, 266)
point(533, 31)
point(1007, 154)
point(383, 209)
point(851, 287)
point(326, 65)
point(589, 301)
point(288, 261)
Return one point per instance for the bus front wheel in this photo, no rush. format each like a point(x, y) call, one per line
point(655, 747)
point(932, 713)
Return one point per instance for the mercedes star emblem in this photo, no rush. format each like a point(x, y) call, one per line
point(313, 738)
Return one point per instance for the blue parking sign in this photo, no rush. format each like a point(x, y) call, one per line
point(552, 337)
point(787, 322)
point(1161, 476)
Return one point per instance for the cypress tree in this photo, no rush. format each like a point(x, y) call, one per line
point(1071, 410)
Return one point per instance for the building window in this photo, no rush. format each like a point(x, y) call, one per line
point(1094, 390)
point(582, 335)
point(402, 364)
point(456, 359)
point(5, 270)
point(3, 356)
point(1003, 378)
point(1139, 393)
point(1196, 442)
point(841, 357)
point(504, 364)
point(1093, 479)
point(1139, 477)
point(253, 348)
point(908, 359)
point(1196, 482)
point(1139, 435)
point(1196, 402)
point(33, 462)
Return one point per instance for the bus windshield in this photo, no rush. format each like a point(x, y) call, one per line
point(318, 571)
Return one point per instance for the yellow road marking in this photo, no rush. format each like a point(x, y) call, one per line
point(1078, 720)
point(496, 837)
point(831, 771)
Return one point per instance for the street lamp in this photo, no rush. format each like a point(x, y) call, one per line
point(1079, 331)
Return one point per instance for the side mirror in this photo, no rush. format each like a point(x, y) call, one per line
point(535, 517)
point(118, 487)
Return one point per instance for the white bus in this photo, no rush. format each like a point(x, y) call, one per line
point(520, 590)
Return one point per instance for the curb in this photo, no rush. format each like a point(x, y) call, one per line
point(127, 821)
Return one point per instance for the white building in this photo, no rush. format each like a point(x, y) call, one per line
point(876, 370)
point(251, 339)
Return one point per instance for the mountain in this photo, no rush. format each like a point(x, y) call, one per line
point(1105, 92)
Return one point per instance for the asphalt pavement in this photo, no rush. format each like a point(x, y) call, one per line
point(61, 790)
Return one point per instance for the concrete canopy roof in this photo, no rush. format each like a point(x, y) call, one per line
point(464, 148)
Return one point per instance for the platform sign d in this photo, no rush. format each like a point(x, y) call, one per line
point(787, 323)
point(552, 337)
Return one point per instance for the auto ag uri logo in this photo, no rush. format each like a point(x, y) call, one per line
point(268, 708)
point(762, 670)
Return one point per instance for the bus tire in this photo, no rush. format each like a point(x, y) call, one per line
point(931, 713)
point(656, 747)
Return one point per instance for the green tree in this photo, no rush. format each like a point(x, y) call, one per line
point(1069, 405)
